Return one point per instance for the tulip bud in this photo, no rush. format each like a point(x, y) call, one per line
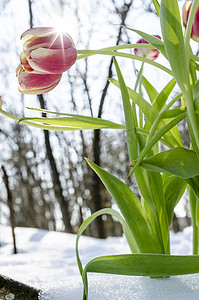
point(185, 15)
point(146, 52)
point(46, 55)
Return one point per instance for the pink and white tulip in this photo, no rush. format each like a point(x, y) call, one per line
point(185, 15)
point(46, 55)
point(146, 52)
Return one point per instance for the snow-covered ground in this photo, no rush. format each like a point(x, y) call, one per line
point(47, 260)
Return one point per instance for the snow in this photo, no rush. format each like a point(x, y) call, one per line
point(47, 260)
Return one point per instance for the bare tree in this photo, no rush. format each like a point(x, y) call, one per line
point(10, 206)
point(64, 203)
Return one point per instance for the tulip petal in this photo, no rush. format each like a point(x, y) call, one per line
point(39, 91)
point(37, 31)
point(24, 63)
point(52, 61)
point(148, 53)
point(195, 27)
point(37, 83)
point(56, 41)
point(185, 12)
point(19, 70)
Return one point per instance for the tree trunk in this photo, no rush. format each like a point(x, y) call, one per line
point(64, 203)
point(15, 290)
point(10, 206)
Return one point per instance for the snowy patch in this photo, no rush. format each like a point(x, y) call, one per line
point(47, 260)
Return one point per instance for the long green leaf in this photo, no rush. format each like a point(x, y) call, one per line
point(178, 57)
point(87, 222)
point(151, 91)
point(167, 113)
point(132, 138)
point(174, 42)
point(174, 188)
point(33, 124)
point(179, 161)
point(152, 265)
point(149, 111)
point(162, 97)
point(145, 265)
point(154, 140)
point(130, 117)
point(90, 219)
point(74, 122)
point(127, 55)
point(194, 183)
point(172, 113)
point(112, 48)
point(132, 211)
point(156, 204)
point(157, 6)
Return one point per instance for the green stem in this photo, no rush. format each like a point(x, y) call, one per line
point(127, 55)
point(116, 47)
point(155, 139)
point(140, 93)
point(160, 116)
point(192, 201)
point(195, 240)
point(193, 122)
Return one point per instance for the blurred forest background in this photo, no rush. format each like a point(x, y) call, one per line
point(44, 179)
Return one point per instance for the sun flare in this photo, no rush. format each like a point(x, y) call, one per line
point(60, 27)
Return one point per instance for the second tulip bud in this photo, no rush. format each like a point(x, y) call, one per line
point(185, 16)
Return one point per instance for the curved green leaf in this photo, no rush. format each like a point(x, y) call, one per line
point(194, 183)
point(173, 188)
point(132, 211)
point(127, 55)
point(174, 42)
point(112, 48)
point(162, 97)
point(157, 6)
point(129, 114)
point(151, 91)
point(179, 161)
point(153, 265)
point(90, 219)
point(156, 137)
point(149, 111)
point(75, 122)
point(178, 57)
